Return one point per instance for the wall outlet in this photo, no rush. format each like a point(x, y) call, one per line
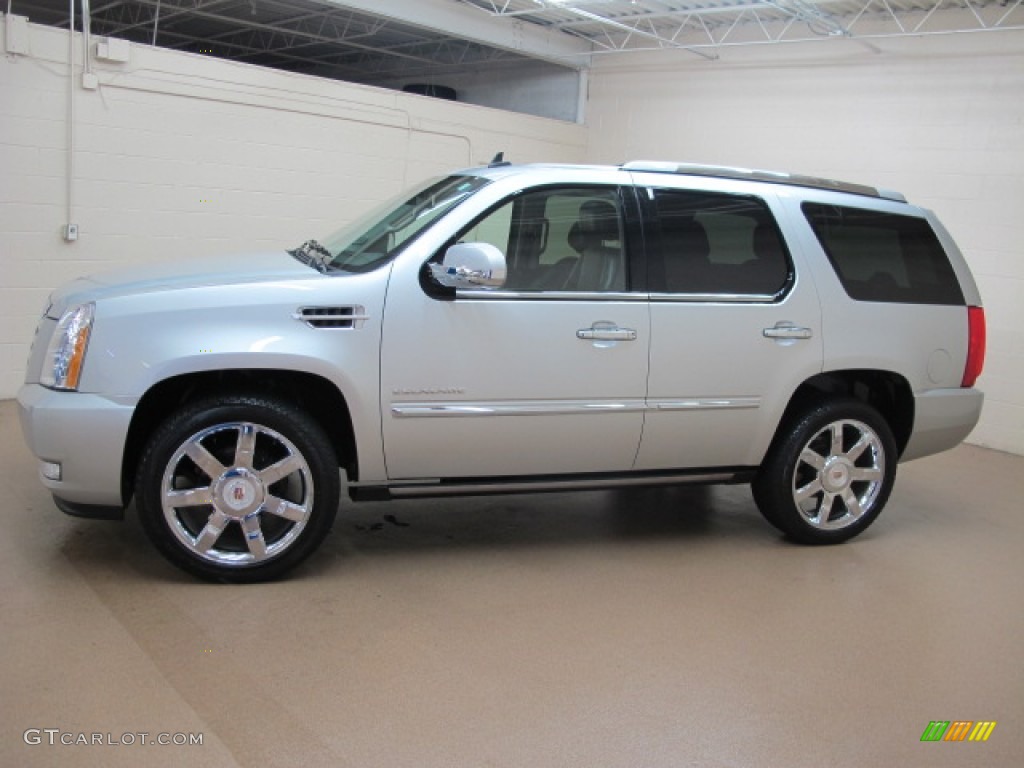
point(114, 49)
point(71, 232)
point(17, 37)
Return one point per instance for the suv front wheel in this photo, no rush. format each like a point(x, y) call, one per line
point(829, 475)
point(238, 488)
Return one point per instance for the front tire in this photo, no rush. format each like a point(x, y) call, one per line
point(238, 488)
point(828, 476)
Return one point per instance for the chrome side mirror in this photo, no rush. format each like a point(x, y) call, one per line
point(471, 265)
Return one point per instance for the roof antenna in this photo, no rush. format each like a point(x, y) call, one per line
point(498, 161)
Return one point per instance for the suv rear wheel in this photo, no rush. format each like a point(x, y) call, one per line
point(238, 488)
point(830, 474)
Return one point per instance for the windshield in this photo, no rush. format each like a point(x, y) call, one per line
point(378, 236)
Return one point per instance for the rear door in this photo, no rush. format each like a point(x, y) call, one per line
point(735, 322)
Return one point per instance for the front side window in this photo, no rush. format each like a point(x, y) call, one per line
point(560, 239)
point(377, 237)
point(882, 256)
point(713, 243)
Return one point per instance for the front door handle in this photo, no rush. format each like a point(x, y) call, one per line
point(606, 332)
point(787, 331)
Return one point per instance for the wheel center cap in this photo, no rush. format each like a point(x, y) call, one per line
point(835, 476)
point(239, 492)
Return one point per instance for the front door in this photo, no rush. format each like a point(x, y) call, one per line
point(545, 376)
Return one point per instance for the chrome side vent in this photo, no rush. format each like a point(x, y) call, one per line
point(332, 317)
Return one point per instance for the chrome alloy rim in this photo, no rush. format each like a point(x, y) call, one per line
point(839, 475)
point(237, 494)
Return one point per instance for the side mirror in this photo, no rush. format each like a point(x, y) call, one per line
point(471, 265)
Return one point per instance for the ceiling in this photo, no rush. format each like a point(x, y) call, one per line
point(373, 41)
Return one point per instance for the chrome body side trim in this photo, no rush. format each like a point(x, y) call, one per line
point(413, 410)
point(463, 409)
point(681, 298)
point(703, 403)
point(551, 295)
point(714, 298)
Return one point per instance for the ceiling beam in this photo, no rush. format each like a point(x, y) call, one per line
point(450, 18)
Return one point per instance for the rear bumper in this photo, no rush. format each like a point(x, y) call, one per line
point(942, 419)
point(82, 432)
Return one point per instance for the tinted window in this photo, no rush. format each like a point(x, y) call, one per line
point(564, 239)
point(884, 256)
point(716, 243)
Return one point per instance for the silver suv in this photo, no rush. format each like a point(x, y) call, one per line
point(515, 328)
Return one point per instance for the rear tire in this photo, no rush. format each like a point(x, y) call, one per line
point(238, 488)
point(828, 476)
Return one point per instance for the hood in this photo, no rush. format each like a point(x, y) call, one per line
point(190, 273)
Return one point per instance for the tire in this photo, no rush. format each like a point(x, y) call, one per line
point(238, 488)
point(829, 474)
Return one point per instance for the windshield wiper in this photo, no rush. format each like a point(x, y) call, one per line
point(314, 255)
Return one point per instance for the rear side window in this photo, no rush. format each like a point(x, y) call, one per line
point(884, 256)
point(713, 243)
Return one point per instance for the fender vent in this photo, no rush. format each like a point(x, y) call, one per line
point(332, 317)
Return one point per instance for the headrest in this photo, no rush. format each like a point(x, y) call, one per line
point(597, 225)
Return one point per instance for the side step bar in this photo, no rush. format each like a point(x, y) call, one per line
point(485, 486)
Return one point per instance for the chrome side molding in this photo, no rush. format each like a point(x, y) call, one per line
point(464, 409)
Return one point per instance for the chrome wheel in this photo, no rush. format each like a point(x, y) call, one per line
point(839, 474)
point(237, 494)
point(828, 473)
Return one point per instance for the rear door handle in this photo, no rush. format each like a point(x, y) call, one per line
point(606, 332)
point(787, 331)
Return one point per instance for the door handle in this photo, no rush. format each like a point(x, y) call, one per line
point(787, 331)
point(600, 332)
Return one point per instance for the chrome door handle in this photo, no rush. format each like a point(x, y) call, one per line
point(781, 331)
point(602, 333)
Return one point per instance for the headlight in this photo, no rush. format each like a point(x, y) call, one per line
point(62, 366)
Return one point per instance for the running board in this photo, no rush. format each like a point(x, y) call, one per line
point(484, 486)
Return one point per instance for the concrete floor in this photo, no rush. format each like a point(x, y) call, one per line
point(642, 628)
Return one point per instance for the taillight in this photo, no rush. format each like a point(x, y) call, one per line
point(975, 345)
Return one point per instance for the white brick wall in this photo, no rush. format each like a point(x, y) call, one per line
point(180, 155)
point(939, 119)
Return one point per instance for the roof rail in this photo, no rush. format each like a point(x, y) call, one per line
point(771, 177)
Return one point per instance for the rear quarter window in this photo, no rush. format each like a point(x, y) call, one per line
point(887, 257)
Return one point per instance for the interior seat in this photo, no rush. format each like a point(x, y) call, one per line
point(766, 271)
point(686, 255)
point(597, 238)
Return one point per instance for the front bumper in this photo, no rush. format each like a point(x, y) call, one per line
point(942, 419)
point(82, 432)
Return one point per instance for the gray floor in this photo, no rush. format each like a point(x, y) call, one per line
point(653, 628)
